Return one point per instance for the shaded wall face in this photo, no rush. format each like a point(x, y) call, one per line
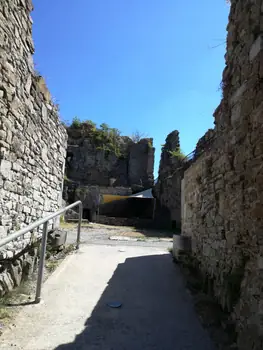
point(89, 165)
point(223, 191)
point(129, 208)
point(141, 164)
point(167, 190)
point(32, 140)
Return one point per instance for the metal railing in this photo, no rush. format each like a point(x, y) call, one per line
point(44, 222)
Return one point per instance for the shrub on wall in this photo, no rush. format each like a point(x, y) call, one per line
point(177, 153)
point(105, 138)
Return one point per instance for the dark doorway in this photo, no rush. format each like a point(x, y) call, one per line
point(90, 215)
point(174, 224)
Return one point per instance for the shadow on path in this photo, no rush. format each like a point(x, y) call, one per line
point(156, 311)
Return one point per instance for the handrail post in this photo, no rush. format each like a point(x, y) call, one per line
point(41, 263)
point(79, 224)
point(44, 221)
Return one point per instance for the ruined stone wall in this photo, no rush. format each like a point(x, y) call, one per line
point(223, 189)
point(117, 191)
point(90, 165)
point(32, 140)
point(167, 190)
point(141, 164)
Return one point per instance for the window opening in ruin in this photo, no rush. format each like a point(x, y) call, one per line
point(174, 224)
point(86, 214)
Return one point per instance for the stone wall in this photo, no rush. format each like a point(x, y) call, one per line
point(117, 191)
point(88, 164)
point(223, 189)
point(167, 190)
point(32, 139)
point(140, 165)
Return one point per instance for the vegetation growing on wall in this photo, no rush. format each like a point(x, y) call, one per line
point(104, 137)
point(177, 153)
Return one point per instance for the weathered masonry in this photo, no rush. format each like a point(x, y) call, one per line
point(89, 164)
point(167, 190)
point(32, 139)
point(101, 163)
point(223, 188)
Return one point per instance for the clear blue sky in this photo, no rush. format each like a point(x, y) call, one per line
point(134, 64)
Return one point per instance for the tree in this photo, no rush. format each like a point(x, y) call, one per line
point(90, 124)
point(76, 123)
point(104, 127)
point(137, 136)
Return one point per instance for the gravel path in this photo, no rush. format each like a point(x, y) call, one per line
point(156, 313)
point(115, 236)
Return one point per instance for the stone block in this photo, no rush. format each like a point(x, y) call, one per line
point(10, 186)
point(7, 281)
point(236, 114)
point(44, 113)
point(26, 209)
point(16, 167)
point(16, 273)
point(6, 220)
point(256, 48)
point(5, 168)
point(3, 232)
point(181, 244)
point(237, 96)
point(28, 84)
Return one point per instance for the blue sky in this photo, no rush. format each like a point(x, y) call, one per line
point(146, 65)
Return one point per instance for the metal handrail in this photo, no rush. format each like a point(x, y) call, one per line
point(44, 222)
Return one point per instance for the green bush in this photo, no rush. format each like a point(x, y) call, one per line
point(104, 138)
point(177, 153)
point(76, 123)
point(89, 124)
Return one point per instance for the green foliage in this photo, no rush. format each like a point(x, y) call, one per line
point(104, 138)
point(108, 139)
point(177, 153)
point(104, 127)
point(89, 124)
point(76, 123)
